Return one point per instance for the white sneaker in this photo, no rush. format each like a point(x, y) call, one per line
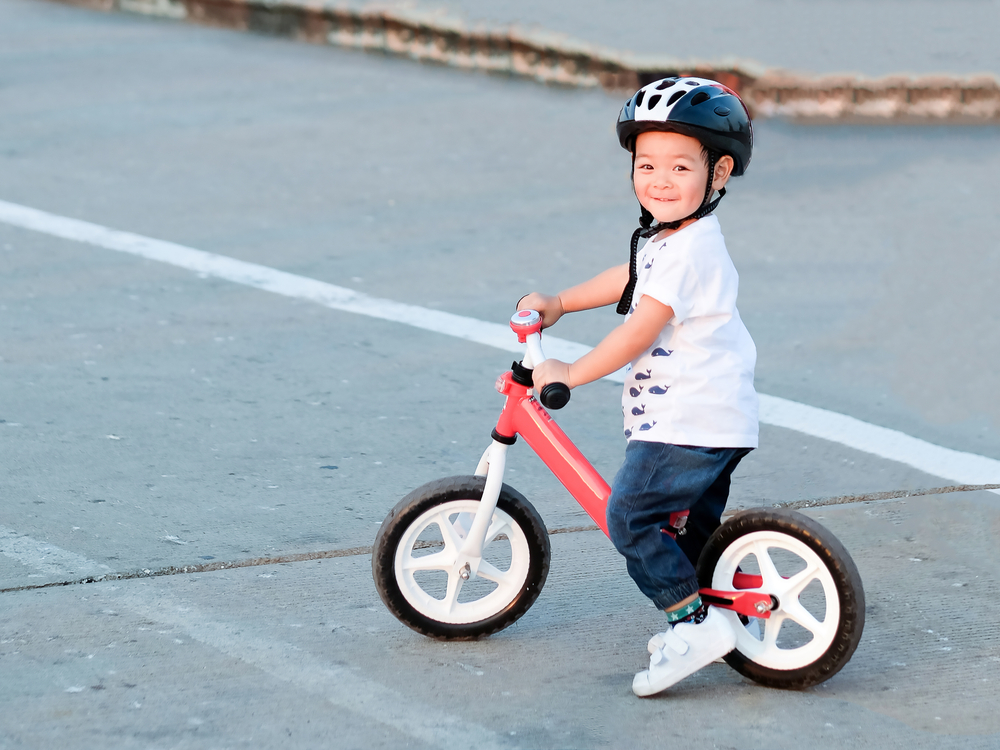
point(752, 626)
point(686, 649)
point(656, 642)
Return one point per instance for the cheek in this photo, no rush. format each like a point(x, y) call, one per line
point(695, 184)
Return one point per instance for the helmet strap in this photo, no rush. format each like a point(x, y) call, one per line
point(626, 300)
point(648, 229)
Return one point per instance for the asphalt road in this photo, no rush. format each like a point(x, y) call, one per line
point(153, 418)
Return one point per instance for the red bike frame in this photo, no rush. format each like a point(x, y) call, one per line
point(523, 415)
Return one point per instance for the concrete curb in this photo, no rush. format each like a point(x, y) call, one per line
point(557, 59)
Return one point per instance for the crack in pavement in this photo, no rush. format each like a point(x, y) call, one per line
point(357, 551)
point(872, 496)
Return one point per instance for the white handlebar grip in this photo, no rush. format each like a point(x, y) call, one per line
point(534, 344)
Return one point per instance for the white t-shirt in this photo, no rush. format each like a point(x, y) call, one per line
point(694, 385)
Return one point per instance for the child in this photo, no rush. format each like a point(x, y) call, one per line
point(689, 403)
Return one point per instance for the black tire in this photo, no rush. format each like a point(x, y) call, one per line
point(831, 554)
point(412, 508)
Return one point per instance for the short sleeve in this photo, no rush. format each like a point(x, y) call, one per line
point(695, 278)
point(673, 281)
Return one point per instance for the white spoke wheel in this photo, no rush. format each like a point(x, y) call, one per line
point(818, 601)
point(418, 573)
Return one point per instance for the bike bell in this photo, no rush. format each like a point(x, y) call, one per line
point(524, 323)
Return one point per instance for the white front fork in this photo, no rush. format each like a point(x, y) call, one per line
point(484, 463)
point(492, 464)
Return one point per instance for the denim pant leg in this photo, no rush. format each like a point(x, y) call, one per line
point(706, 514)
point(658, 479)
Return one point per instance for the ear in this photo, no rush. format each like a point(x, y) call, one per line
point(723, 170)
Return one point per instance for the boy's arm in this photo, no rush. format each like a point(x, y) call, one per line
point(604, 289)
point(618, 348)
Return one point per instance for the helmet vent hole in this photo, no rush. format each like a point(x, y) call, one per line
point(666, 84)
point(638, 98)
point(701, 96)
point(675, 96)
point(692, 82)
point(653, 100)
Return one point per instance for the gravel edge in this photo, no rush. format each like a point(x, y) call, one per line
point(557, 59)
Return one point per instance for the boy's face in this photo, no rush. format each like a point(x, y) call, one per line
point(670, 174)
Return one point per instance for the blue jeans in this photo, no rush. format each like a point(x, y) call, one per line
point(658, 479)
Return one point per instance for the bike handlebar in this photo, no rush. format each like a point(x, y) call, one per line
point(553, 395)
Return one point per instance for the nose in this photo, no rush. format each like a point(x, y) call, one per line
point(662, 179)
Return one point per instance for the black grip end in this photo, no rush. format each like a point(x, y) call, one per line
point(554, 396)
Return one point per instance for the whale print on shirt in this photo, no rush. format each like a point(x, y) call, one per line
point(628, 434)
point(659, 390)
point(658, 352)
point(638, 410)
point(646, 426)
point(634, 392)
point(643, 375)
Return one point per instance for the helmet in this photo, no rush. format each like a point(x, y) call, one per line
point(701, 108)
point(706, 110)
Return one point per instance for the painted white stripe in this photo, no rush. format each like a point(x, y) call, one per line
point(965, 468)
point(340, 685)
point(46, 558)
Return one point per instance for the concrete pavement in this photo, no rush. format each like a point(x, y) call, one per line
point(306, 656)
point(152, 418)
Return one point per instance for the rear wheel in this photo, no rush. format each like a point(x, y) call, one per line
point(818, 599)
point(416, 569)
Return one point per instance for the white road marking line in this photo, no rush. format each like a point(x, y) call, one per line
point(340, 685)
point(957, 466)
point(46, 558)
point(964, 468)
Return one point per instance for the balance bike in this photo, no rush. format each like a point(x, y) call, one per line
point(464, 557)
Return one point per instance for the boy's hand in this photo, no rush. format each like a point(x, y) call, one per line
point(550, 308)
point(550, 371)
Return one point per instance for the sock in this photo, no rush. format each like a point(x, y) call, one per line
point(694, 612)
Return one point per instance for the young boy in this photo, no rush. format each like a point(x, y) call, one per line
point(689, 403)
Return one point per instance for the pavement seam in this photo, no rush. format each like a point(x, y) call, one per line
point(359, 551)
point(553, 58)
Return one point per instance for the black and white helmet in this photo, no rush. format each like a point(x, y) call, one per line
point(701, 108)
point(698, 107)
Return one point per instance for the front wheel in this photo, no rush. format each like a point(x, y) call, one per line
point(818, 610)
point(415, 560)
